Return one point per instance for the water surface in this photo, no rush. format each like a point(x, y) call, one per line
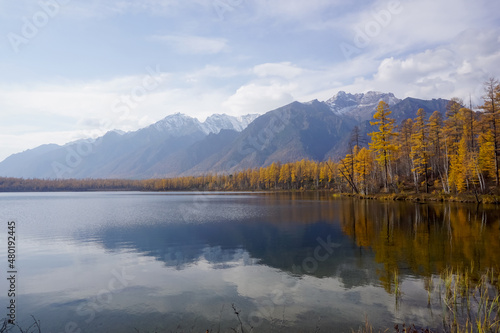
point(186, 262)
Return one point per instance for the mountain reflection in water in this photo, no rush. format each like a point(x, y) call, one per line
point(296, 261)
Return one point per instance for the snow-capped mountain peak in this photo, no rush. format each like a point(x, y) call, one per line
point(178, 123)
point(217, 122)
point(359, 105)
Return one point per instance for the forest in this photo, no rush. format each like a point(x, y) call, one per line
point(457, 152)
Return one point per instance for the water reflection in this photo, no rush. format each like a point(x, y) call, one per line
point(296, 261)
point(318, 248)
point(419, 239)
point(366, 241)
point(424, 239)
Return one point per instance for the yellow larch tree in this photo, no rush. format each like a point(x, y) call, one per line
point(458, 167)
point(346, 169)
point(323, 174)
point(284, 177)
point(419, 149)
point(491, 108)
point(453, 135)
point(273, 174)
point(345, 172)
point(382, 143)
point(363, 165)
point(435, 146)
point(486, 157)
point(404, 147)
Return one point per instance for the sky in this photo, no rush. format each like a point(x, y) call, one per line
point(72, 69)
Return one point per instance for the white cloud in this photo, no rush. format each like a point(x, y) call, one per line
point(259, 98)
point(284, 70)
point(103, 9)
point(390, 28)
point(194, 44)
point(291, 10)
point(457, 68)
point(428, 49)
point(415, 67)
point(90, 108)
point(214, 72)
point(446, 71)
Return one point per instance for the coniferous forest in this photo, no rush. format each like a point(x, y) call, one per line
point(452, 153)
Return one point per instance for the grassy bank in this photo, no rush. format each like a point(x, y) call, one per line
point(428, 197)
point(469, 304)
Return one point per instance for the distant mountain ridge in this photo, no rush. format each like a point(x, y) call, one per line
point(180, 124)
point(359, 106)
point(182, 145)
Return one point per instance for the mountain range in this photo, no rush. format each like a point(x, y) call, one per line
point(180, 145)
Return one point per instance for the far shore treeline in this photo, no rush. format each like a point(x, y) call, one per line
point(440, 154)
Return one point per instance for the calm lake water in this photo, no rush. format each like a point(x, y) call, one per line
point(180, 262)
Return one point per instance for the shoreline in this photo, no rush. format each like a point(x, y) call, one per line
point(428, 197)
point(410, 196)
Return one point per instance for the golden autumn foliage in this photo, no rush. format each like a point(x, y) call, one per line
point(458, 153)
point(382, 140)
point(486, 158)
point(419, 152)
point(304, 174)
point(363, 166)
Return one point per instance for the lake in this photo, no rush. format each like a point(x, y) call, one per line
point(192, 262)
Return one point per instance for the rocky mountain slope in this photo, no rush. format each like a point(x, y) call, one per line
point(182, 145)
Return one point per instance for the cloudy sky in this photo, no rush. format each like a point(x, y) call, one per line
point(76, 68)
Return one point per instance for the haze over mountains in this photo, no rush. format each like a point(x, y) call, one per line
point(181, 145)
